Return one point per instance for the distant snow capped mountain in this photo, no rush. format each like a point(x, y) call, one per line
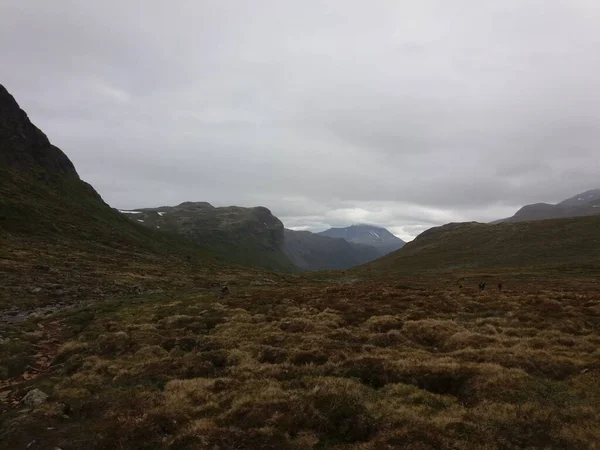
point(584, 204)
point(380, 238)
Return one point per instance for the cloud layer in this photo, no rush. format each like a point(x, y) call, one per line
point(403, 114)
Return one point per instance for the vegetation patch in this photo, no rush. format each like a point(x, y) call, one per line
point(368, 366)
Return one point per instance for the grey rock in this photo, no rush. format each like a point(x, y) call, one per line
point(35, 397)
point(263, 282)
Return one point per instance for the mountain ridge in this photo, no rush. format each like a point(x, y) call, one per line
point(250, 236)
point(553, 243)
point(31, 149)
point(580, 205)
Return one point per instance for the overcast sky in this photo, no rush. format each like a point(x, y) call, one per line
point(405, 114)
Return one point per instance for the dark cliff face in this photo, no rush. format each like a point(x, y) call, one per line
point(23, 146)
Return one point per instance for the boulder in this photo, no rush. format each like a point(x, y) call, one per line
point(35, 397)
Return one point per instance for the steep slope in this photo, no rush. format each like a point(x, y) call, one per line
point(24, 147)
point(310, 251)
point(377, 237)
point(573, 242)
point(59, 241)
point(250, 236)
point(580, 205)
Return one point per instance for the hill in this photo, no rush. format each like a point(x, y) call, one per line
point(60, 242)
point(573, 242)
point(312, 251)
point(380, 238)
point(249, 236)
point(580, 205)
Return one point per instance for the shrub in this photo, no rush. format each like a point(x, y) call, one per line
point(383, 324)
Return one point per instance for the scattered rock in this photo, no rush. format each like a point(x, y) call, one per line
point(263, 282)
point(35, 397)
point(42, 267)
point(154, 291)
point(35, 290)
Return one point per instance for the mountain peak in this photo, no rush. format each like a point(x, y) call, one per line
point(23, 146)
point(583, 204)
point(591, 197)
point(372, 235)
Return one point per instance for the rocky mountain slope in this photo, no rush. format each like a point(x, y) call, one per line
point(60, 242)
point(572, 242)
point(313, 251)
point(377, 237)
point(24, 147)
point(251, 236)
point(580, 205)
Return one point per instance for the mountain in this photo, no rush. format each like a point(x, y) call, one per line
point(583, 204)
point(380, 238)
point(313, 251)
point(24, 147)
point(60, 242)
point(571, 242)
point(249, 236)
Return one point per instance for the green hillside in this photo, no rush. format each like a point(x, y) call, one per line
point(565, 243)
point(248, 236)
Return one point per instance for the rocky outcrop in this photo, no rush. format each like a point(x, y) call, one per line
point(23, 146)
point(34, 398)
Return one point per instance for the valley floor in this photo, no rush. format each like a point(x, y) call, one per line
point(312, 363)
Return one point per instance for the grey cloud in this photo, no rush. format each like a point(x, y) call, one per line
point(403, 114)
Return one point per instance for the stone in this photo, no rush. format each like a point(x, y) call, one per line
point(35, 397)
point(263, 282)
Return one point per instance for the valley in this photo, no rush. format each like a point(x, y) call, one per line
point(193, 327)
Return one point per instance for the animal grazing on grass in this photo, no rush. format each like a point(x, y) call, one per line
point(481, 286)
